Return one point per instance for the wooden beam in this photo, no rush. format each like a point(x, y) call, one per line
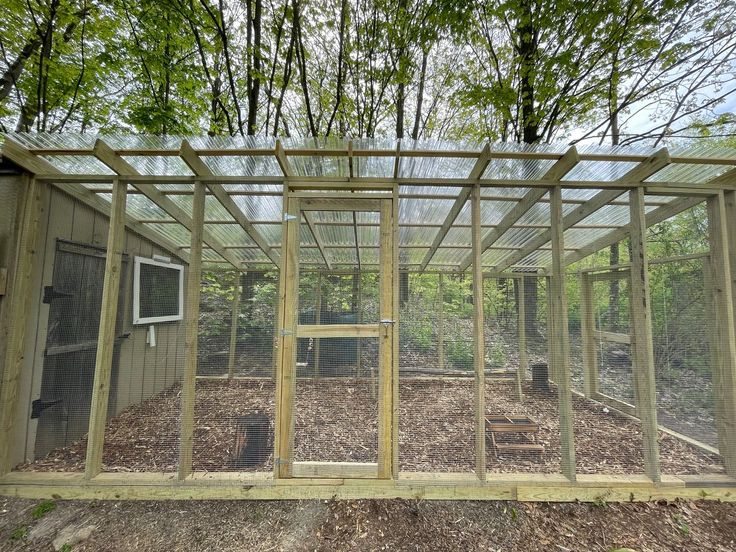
point(235, 318)
point(313, 229)
point(19, 298)
point(478, 169)
point(338, 330)
point(532, 197)
point(100, 205)
point(478, 340)
point(385, 347)
point(559, 335)
point(286, 339)
point(642, 171)
point(522, 367)
point(724, 334)
point(395, 304)
point(106, 154)
point(199, 168)
point(106, 334)
point(282, 160)
point(191, 322)
point(653, 217)
point(587, 329)
point(641, 330)
point(22, 156)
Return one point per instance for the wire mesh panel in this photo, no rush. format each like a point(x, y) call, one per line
point(682, 327)
point(436, 377)
point(522, 420)
point(235, 391)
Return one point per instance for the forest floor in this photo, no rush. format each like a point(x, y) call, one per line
point(336, 420)
point(112, 526)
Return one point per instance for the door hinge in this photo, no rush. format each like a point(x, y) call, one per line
point(387, 321)
point(285, 332)
point(288, 217)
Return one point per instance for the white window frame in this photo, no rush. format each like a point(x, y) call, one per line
point(137, 262)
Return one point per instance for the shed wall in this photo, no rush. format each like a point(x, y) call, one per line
point(143, 370)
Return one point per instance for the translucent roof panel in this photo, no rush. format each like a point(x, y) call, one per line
point(311, 255)
point(229, 234)
point(412, 256)
point(688, 173)
point(270, 232)
point(173, 232)
point(260, 165)
point(213, 209)
point(336, 235)
point(459, 235)
point(600, 171)
point(491, 212)
point(436, 167)
point(232, 142)
point(159, 165)
point(303, 165)
point(429, 211)
point(429, 190)
point(78, 164)
point(259, 207)
point(413, 235)
point(249, 255)
point(445, 256)
point(141, 208)
point(521, 169)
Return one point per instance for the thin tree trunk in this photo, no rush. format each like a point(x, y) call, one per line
point(420, 95)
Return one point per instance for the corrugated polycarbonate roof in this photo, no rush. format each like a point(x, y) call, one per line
point(432, 178)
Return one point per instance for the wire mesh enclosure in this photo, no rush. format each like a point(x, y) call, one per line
point(472, 333)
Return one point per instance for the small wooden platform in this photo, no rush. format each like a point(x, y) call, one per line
point(521, 426)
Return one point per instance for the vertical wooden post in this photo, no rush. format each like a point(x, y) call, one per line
point(559, 335)
point(20, 300)
point(523, 366)
point(191, 327)
point(106, 334)
point(587, 327)
point(441, 323)
point(234, 328)
point(396, 318)
point(478, 338)
point(359, 320)
point(724, 335)
point(385, 346)
point(317, 321)
point(641, 331)
point(286, 374)
point(551, 343)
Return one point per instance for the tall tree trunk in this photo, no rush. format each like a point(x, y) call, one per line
point(400, 101)
point(254, 11)
point(340, 66)
point(420, 95)
point(614, 253)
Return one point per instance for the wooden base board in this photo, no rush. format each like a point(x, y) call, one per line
point(428, 486)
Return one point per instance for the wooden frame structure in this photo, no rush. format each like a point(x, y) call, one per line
point(570, 189)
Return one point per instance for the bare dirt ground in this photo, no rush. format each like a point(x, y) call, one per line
point(336, 420)
point(365, 525)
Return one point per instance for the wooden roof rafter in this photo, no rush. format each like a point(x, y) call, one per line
point(105, 153)
point(639, 173)
point(478, 169)
point(199, 168)
point(556, 172)
point(39, 166)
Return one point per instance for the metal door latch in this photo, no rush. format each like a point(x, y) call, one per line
point(387, 322)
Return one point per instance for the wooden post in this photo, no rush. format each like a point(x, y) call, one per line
point(724, 335)
point(441, 323)
point(359, 319)
point(286, 374)
point(317, 321)
point(395, 366)
point(106, 334)
point(478, 338)
point(552, 366)
point(559, 335)
point(641, 333)
point(20, 299)
point(385, 344)
point(589, 343)
point(191, 327)
point(234, 327)
point(523, 366)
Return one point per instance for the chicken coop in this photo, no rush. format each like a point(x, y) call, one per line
point(247, 317)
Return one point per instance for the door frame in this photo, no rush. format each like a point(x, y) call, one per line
point(289, 330)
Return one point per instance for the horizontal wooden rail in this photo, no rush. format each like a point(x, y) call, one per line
point(613, 337)
point(338, 330)
point(339, 470)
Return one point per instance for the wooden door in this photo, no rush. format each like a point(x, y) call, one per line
point(336, 422)
point(74, 301)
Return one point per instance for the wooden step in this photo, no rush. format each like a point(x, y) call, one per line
point(520, 447)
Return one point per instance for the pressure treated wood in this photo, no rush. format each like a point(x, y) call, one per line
point(385, 347)
point(560, 336)
point(724, 334)
point(106, 335)
point(587, 330)
point(234, 320)
point(191, 329)
point(641, 330)
point(338, 330)
point(478, 339)
point(20, 300)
